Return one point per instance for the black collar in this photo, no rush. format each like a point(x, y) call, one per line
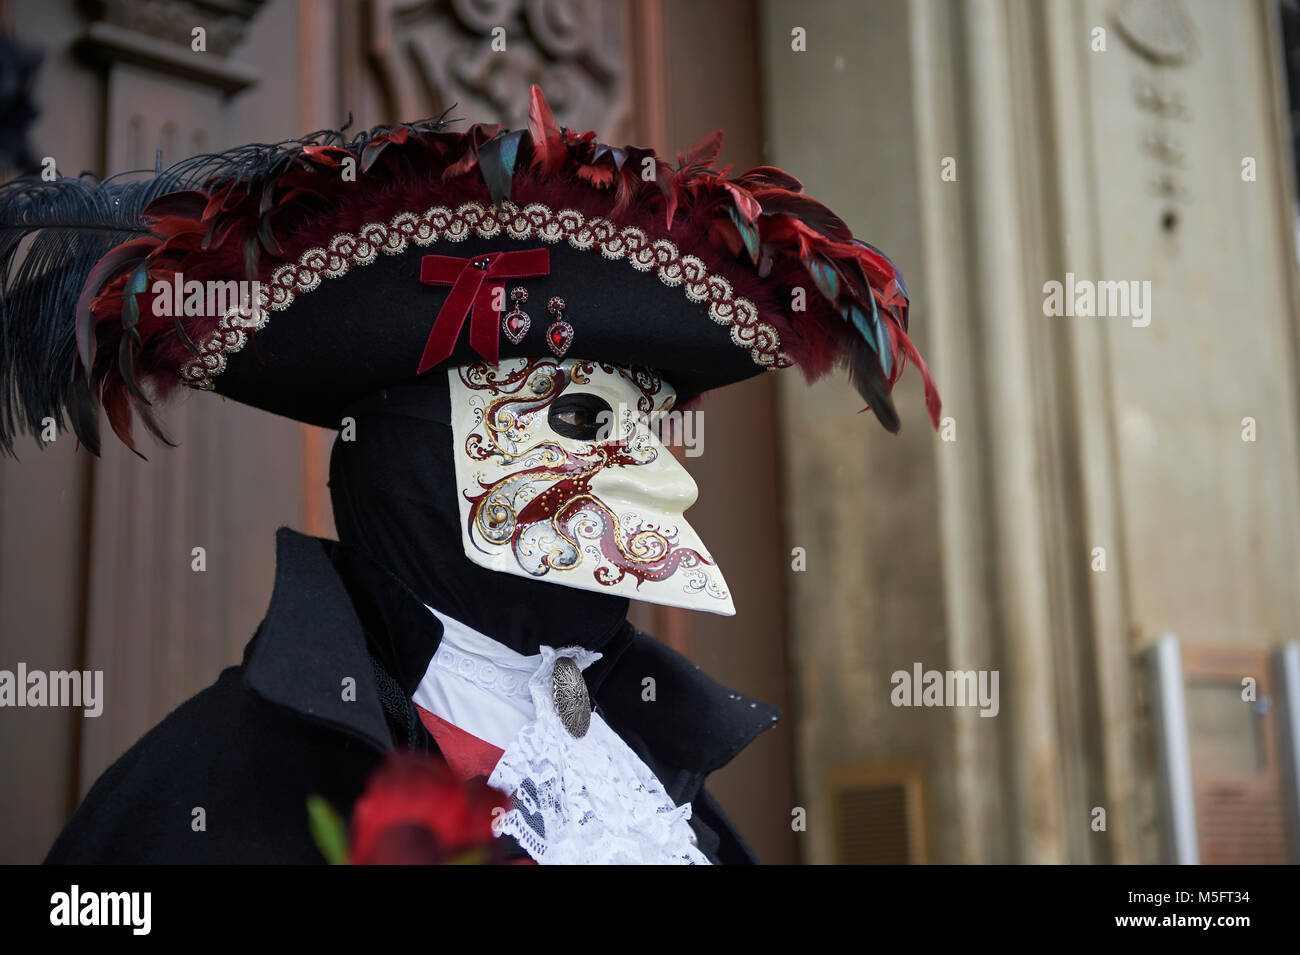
point(333, 609)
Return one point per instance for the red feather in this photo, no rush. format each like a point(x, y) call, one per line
point(598, 176)
point(771, 177)
point(116, 262)
point(473, 138)
point(933, 403)
point(548, 148)
point(188, 205)
point(117, 408)
point(701, 155)
point(809, 211)
point(746, 204)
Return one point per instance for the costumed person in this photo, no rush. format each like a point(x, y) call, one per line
point(494, 321)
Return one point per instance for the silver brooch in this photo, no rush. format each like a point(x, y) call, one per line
point(569, 690)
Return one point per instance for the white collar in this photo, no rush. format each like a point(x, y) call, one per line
point(477, 684)
point(467, 644)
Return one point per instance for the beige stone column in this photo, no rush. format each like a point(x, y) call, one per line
point(1101, 486)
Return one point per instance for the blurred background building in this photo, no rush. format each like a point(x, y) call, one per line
point(1099, 482)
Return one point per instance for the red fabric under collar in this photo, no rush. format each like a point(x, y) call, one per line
point(466, 754)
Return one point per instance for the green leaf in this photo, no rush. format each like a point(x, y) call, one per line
point(328, 830)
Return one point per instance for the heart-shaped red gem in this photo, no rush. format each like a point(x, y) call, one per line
point(559, 336)
point(516, 326)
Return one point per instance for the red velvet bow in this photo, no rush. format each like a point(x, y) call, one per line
point(473, 287)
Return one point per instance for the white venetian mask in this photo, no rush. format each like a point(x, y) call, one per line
point(561, 477)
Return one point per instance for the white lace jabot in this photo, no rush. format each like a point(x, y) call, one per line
point(587, 800)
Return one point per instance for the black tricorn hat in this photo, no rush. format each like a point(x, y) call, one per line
point(301, 276)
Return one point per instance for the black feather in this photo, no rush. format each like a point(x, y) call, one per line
point(869, 378)
point(83, 414)
point(496, 160)
point(153, 426)
point(51, 236)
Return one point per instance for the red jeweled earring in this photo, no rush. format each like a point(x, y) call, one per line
point(515, 322)
point(560, 335)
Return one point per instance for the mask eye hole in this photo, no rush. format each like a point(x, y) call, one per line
point(580, 415)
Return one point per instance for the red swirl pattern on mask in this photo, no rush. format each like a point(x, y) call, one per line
point(644, 551)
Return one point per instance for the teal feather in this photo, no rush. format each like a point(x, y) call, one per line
point(873, 332)
point(130, 344)
point(826, 277)
point(884, 346)
point(496, 160)
point(748, 233)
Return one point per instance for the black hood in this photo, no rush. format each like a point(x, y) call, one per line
point(392, 481)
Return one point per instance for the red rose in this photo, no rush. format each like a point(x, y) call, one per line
point(415, 812)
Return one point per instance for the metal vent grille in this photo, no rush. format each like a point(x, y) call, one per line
point(1240, 826)
point(876, 812)
point(1236, 779)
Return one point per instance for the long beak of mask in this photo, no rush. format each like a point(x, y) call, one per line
point(561, 477)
